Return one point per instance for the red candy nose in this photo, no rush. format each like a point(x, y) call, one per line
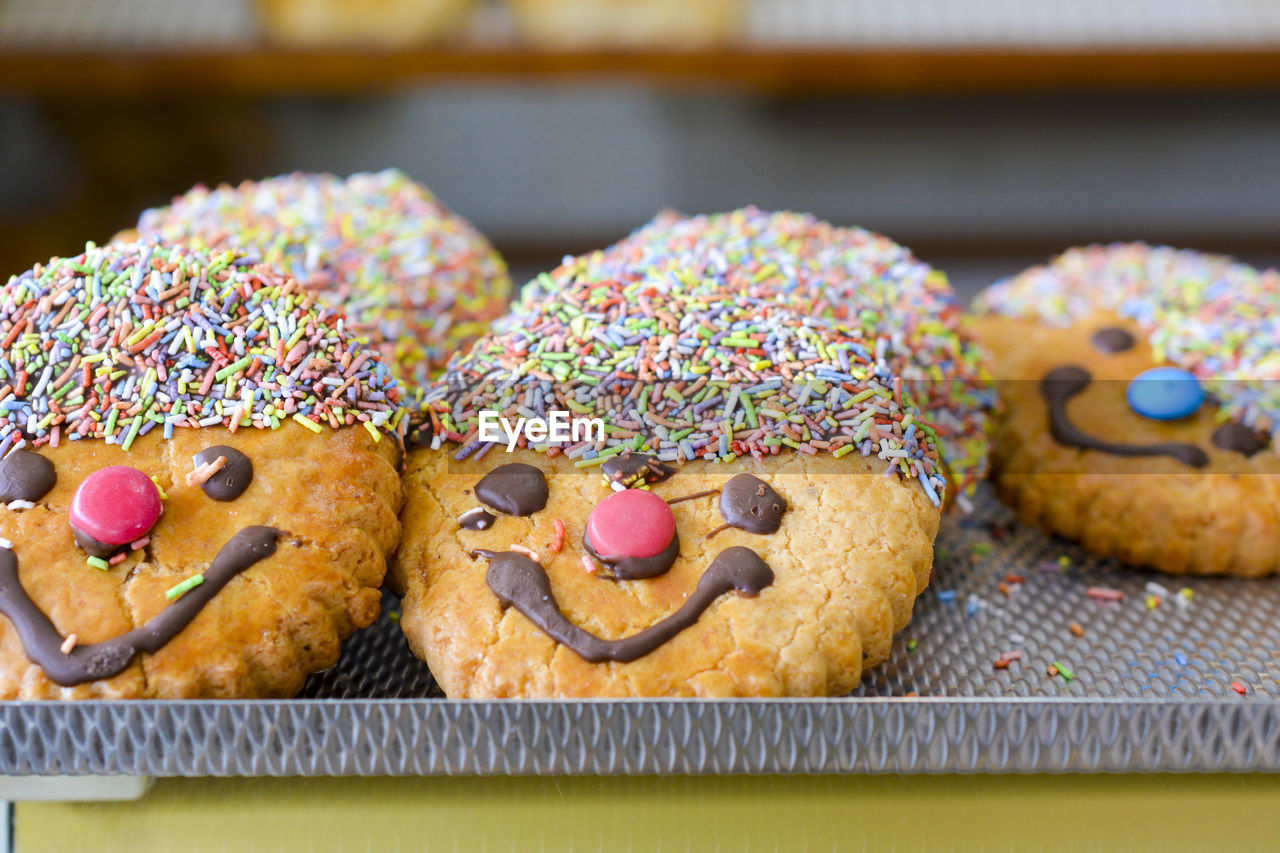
point(115, 505)
point(632, 523)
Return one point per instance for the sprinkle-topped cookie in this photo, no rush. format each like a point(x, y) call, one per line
point(737, 334)
point(1217, 318)
point(420, 281)
point(129, 338)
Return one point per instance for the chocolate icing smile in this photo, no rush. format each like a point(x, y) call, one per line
point(90, 662)
point(1061, 384)
point(519, 582)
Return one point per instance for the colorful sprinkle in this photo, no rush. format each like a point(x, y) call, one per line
point(737, 334)
point(557, 544)
point(201, 475)
point(199, 315)
point(528, 552)
point(413, 277)
point(1103, 593)
point(186, 586)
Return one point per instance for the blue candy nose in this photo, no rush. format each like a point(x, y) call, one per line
point(1165, 393)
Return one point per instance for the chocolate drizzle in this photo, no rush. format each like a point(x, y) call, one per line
point(519, 582)
point(25, 476)
point(749, 503)
point(630, 468)
point(1112, 340)
point(1237, 437)
point(92, 546)
point(476, 518)
point(514, 488)
point(95, 661)
point(229, 482)
point(1061, 384)
point(636, 568)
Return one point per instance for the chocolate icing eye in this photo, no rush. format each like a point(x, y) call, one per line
point(629, 469)
point(1238, 438)
point(749, 503)
point(25, 476)
point(476, 518)
point(113, 507)
point(222, 472)
point(1165, 394)
point(1112, 340)
point(514, 488)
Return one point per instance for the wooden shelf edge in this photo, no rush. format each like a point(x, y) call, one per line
point(267, 71)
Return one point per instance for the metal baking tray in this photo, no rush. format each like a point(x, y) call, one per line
point(1151, 690)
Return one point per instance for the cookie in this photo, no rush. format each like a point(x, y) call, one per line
point(756, 515)
point(1140, 405)
point(199, 475)
point(415, 278)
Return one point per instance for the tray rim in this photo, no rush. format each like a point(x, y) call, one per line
point(637, 736)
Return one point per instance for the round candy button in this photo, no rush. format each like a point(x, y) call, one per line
point(1165, 393)
point(115, 505)
point(631, 523)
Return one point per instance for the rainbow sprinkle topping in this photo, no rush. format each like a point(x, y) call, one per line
point(126, 339)
point(1211, 315)
point(743, 333)
point(418, 280)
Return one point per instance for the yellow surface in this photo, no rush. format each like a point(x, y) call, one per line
point(674, 813)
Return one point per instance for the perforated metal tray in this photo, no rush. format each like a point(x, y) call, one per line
point(1152, 690)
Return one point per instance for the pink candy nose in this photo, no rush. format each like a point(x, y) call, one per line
point(630, 523)
point(116, 505)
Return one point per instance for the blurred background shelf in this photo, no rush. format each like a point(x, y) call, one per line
point(986, 134)
point(160, 47)
point(765, 69)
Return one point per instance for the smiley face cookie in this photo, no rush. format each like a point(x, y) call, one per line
point(198, 475)
point(1141, 405)
point(755, 515)
point(419, 281)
